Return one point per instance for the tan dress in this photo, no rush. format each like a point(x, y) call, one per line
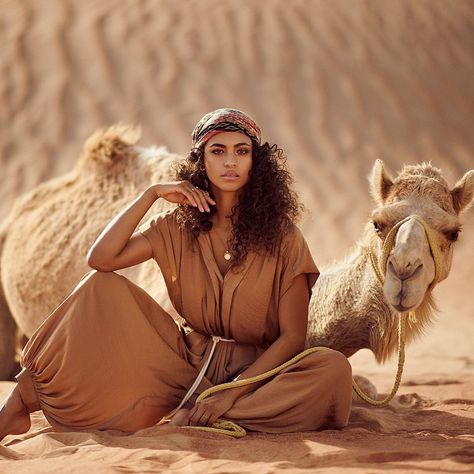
point(109, 357)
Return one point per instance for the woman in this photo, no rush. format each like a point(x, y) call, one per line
point(237, 270)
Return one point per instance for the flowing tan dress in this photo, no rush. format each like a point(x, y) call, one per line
point(109, 357)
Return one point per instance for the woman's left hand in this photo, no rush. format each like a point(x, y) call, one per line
point(207, 411)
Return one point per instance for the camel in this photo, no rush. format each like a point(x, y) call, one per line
point(44, 240)
point(350, 309)
point(45, 237)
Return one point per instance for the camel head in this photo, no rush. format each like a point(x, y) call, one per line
point(417, 192)
point(112, 155)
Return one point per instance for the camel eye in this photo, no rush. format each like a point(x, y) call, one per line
point(378, 227)
point(452, 235)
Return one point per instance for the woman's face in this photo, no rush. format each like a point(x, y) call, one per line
point(228, 160)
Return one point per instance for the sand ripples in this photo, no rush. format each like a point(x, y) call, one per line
point(335, 86)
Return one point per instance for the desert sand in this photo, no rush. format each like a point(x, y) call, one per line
point(336, 84)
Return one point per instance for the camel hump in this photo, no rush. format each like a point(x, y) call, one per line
point(110, 145)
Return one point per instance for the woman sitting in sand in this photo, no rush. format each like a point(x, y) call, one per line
point(237, 270)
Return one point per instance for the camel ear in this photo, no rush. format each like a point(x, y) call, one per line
point(380, 182)
point(463, 192)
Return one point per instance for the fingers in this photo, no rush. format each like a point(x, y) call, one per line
point(205, 420)
point(212, 419)
point(208, 198)
point(183, 192)
point(201, 415)
point(201, 201)
point(198, 198)
point(189, 198)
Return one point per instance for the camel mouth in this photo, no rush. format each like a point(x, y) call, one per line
point(403, 309)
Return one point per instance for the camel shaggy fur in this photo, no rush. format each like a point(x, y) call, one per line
point(44, 241)
point(350, 309)
point(45, 238)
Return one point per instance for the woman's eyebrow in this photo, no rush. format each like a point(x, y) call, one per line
point(224, 146)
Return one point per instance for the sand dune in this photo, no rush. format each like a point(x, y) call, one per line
point(336, 84)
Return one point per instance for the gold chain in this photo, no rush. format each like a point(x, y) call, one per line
point(227, 254)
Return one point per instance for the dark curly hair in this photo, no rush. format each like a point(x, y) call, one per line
point(267, 206)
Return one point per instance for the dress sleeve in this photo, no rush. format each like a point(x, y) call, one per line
point(165, 238)
point(296, 260)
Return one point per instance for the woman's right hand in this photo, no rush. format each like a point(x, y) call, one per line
point(183, 192)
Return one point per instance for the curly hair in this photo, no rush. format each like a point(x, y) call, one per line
point(267, 207)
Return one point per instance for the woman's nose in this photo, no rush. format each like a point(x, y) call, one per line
point(230, 159)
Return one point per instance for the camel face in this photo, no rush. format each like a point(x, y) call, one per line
point(410, 268)
point(349, 308)
point(417, 191)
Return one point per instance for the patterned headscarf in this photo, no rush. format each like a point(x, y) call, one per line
point(227, 120)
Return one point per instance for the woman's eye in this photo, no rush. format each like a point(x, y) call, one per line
point(216, 151)
point(243, 151)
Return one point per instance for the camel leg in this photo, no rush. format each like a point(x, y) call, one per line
point(7, 340)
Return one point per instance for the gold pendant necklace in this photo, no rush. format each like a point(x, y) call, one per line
point(227, 254)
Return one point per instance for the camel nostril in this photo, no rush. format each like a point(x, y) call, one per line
point(410, 271)
point(417, 271)
point(391, 268)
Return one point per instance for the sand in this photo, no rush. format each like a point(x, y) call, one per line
point(428, 428)
point(336, 84)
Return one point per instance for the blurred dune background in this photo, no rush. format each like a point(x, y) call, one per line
point(335, 83)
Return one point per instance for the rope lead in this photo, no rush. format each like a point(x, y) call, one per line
point(230, 428)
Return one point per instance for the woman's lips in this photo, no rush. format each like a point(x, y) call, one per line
point(230, 176)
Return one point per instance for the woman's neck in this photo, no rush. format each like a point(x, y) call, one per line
point(225, 201)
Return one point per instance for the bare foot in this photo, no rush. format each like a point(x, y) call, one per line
point(14, 417)
point(181, 417)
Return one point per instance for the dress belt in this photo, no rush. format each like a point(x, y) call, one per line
point(202, 372)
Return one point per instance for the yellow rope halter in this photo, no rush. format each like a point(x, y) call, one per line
point(379, 271)
point(233, 429)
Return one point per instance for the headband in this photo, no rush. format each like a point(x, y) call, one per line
point(224, 120)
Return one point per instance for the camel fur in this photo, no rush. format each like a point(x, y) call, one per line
point(349, 308)
point(45, 238)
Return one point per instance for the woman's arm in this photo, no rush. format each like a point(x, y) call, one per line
point(117, 248)
point(293, 321)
